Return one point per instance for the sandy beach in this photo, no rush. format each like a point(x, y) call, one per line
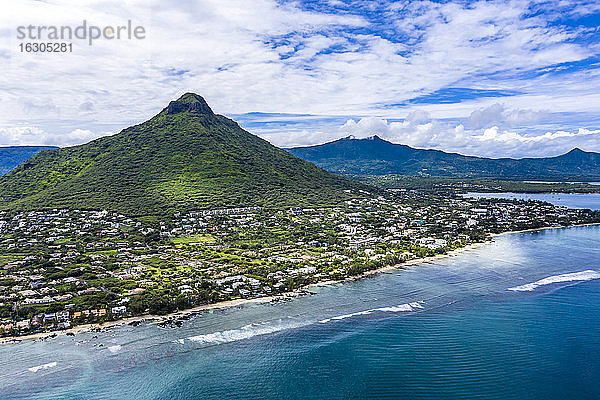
point(238, 302)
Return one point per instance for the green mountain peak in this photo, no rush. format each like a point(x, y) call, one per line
point(189, 102)
point(185, 158)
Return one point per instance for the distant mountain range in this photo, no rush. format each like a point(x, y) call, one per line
point(375, 156)
point(12, 156)
point(184, 158)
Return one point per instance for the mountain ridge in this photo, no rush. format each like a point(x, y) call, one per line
point(376, 156)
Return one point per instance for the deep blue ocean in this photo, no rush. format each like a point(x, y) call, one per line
point(518, 318)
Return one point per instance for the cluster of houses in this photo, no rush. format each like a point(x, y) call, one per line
point(59, 259)
point(58, 320)
point(58, 228)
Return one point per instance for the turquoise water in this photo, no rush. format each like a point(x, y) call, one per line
point(571, 200)
point(449, 329)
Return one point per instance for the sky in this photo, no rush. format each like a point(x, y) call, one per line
point(487, 78)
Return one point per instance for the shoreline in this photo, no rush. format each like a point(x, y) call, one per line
point(544, 228)
point(178, 315)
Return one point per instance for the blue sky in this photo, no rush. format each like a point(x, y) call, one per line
point(489, 78)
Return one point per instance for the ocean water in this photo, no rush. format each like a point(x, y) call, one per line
point(571, 200)
point(514, 319)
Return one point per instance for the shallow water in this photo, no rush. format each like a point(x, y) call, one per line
point(571, 200)
point(451, 329)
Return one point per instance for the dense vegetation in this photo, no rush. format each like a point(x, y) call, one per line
point(186, 157)
point(11, 157)
point(375, 156)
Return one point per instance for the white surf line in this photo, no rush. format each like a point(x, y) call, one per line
point(245, 332)
point(43, 366)
point(407, 307)
point(114, 349)
point(258, 329)
point(586, 275)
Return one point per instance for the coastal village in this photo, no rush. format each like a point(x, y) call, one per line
point(62, 268)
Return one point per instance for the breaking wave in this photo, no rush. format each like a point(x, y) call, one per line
point(245, 332)
point(43, 366)
point(115, 349)
point(399, 308)
point(587, 275)
point(265, 328)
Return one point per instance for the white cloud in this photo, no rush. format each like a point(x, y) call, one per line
point(274, 56)
point(35, 136)
point(498, 114)
point(482, 117)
